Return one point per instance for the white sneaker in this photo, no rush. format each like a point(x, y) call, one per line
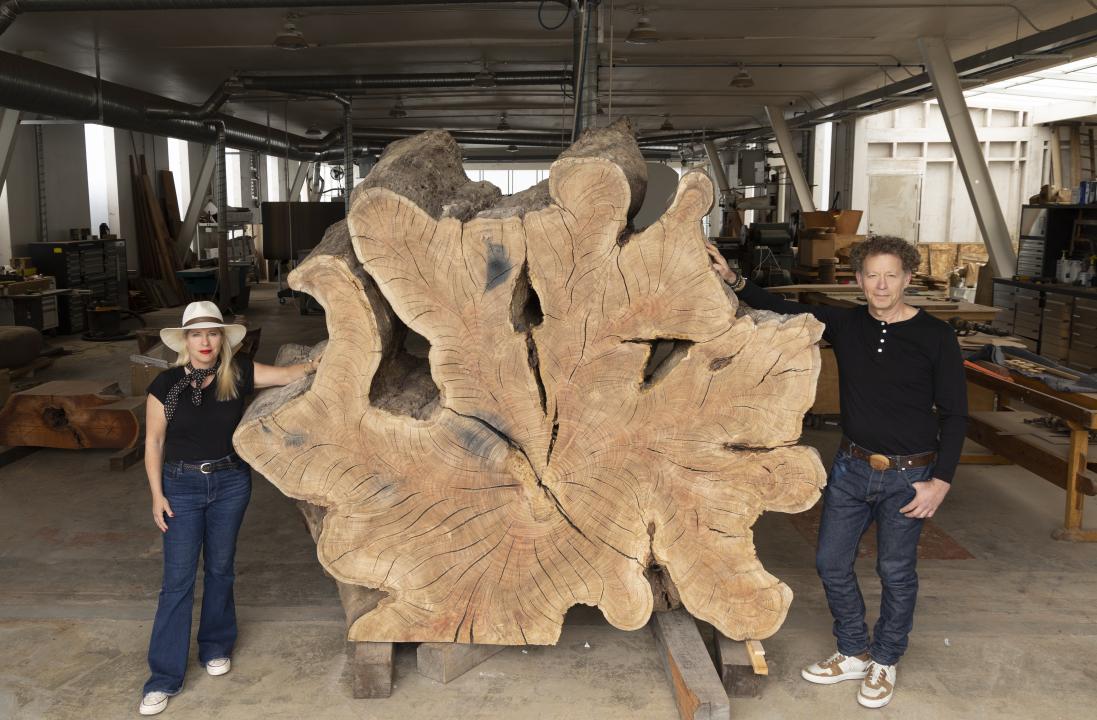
point(153, 703)
point(878, 686)
point(837, 668)
point(218, 666)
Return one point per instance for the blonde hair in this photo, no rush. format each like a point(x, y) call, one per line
point(227, 375)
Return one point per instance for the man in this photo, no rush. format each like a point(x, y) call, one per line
point(896, 460)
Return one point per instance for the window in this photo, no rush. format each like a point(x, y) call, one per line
point(179, 164)
point(102, 177)
point(274, 178)
point(232, 177)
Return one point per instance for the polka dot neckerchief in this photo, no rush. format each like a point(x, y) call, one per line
point(198, 377)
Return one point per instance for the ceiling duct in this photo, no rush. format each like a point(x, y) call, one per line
point(10, 10)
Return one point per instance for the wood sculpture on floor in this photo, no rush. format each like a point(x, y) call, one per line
point(538, 458)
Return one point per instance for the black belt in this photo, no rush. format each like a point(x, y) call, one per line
point(879, 461)
point(229, 462)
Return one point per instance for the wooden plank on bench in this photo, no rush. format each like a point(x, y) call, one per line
point(1005, 434)
point(443, 662)
point(698, 691)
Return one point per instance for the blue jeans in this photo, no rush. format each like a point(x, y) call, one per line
point(855, 496)
point(208, 511)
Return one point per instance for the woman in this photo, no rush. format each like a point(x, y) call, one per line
point(200, 489)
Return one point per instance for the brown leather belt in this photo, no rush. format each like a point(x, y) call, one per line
point(888, 462)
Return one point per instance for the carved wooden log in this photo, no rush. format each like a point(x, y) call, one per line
point(544, 461)
point(72, 414)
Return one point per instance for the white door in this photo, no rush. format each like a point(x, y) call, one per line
point(893, 205)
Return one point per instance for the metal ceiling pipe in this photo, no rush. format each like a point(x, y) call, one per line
point(10, 10)
point(348, 156)
point(207, 109)
point(37, 87)
point(585, 19)
point(344, 83)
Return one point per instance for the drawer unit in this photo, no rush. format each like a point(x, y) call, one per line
point(1030, 256)
point(1083, 334)
point(1003, 298)
point(1055, 330)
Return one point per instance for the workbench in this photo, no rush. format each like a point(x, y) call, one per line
point(938, 307)
point(841, 295)
point(1072, 466)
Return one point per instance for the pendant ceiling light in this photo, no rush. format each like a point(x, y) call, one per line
point(742, 79)
point(290, 38)
point(644, 33)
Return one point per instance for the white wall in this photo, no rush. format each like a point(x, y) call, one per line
point(21, 190)
point(67, 204)
point(913, 141)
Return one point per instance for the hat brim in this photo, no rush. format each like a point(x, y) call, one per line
point(175, 338)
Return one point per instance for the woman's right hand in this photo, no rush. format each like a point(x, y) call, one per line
point(160, 507)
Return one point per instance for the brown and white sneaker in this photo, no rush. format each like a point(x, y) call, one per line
point(837, 668)
point(878, 686)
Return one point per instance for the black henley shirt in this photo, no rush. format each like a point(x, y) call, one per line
point(901, 385)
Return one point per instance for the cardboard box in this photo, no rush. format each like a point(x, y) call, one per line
point(844, 222)
point(814, 248)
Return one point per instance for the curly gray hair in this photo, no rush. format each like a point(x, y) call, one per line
point(885, 245)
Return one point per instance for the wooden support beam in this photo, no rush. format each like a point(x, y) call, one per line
point(737, 666)
point(371, 662)
point(9, 454)
point(371, 669)
point(1055, 149)
point(1075, 156)
point(984, 459)
point(443, 662)
point(127, 458)
point(698, 691)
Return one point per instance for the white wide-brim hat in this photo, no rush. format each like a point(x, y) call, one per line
point(202, 314)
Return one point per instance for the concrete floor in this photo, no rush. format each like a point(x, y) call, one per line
point(1011, 633)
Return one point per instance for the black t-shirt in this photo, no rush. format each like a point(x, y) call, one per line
point(203, 432)
point(902, 386)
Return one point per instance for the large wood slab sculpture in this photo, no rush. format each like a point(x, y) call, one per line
point(544, 461)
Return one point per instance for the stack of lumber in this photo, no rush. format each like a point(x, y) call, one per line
point(155, 246)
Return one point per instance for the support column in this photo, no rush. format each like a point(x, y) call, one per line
point(723, 204)
point(222, 195)
point(792, 162)
point(969, 154)
point(298, 181)
point(197, 201)
point(9, 125)
point(348, 156)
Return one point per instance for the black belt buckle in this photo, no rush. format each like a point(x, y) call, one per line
point(206, 468)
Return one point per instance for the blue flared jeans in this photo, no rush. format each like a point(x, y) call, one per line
point(209, 508)
point(855, 497)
